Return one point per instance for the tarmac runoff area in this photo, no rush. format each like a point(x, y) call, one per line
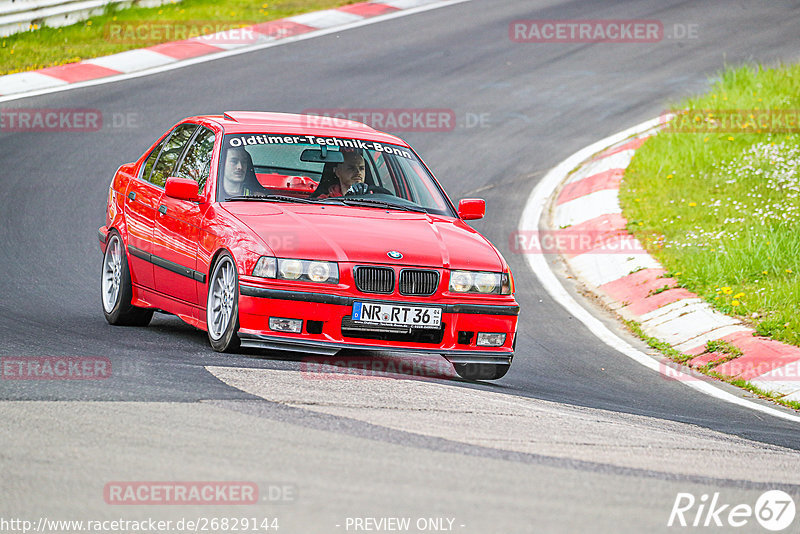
point(189, 51)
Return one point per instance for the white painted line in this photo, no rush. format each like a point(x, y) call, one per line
point(587, 207)
point(27, 81)
point(404, 4)
point(531, 215)
point(326, 19)
point(228, 53)
point(132, 60)
point(597, 268)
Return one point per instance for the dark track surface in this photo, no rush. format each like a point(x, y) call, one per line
point(542, 101)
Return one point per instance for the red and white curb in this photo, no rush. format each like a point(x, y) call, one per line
point(179, 53)
point(632, 283)
point(540, 201)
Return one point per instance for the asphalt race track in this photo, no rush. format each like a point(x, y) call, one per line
point(577, 437)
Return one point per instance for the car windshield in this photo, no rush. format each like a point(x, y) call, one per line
point(322, 169)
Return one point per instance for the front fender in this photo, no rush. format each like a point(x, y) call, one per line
point(221, 231)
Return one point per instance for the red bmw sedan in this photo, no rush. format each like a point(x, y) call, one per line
point(304, 233)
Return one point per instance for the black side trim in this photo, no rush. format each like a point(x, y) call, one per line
point(282, 294)
point(482, 309)
point(172, 266)
point(102, 237)
point(139, 253)
point(168, 265)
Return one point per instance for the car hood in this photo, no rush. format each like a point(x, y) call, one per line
point(366, 235)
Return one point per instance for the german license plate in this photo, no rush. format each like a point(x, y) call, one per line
point(397, 315)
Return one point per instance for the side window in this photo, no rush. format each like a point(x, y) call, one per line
point(380, 172)
point(171, 152)
point(151, 160)
point(196, 163)
point(423, 191)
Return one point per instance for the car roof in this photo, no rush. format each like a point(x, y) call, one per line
point(243, 122)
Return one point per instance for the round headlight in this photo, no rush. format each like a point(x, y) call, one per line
point(486, 282)
point(460, 281)
point(291, 269)
point(319, 271)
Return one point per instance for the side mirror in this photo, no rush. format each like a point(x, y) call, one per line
point(182, 188)
point(471, 208)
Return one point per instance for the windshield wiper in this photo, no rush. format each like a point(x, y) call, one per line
point(273, 198)
point(374, 203)
point(368, 202)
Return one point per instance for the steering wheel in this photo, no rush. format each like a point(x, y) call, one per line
point(361, 188)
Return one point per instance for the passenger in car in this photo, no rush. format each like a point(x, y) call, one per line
point(239, 176)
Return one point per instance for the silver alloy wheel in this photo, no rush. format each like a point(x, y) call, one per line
point(112, 273)
point(222, 291)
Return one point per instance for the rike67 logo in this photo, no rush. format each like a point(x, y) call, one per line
point(774, 510)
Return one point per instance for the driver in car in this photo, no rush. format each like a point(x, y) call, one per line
point(349, 173)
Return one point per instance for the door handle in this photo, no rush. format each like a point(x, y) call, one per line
point(132, 195)
point(162, 209)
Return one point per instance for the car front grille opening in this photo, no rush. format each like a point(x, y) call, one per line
point(314, 327)
point(374, 279)
point(418, 282)
point(465, 337)
point(392, 333)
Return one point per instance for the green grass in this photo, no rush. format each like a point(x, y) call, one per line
point(662, 346)
point(721, 209)
point(723, 347)
point(727, 352)
point(47, 47)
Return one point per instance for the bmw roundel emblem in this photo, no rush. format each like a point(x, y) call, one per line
point(394, 254)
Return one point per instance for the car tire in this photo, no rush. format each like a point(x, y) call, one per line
point(116, 290)
point(222, 305)
point(481, 371)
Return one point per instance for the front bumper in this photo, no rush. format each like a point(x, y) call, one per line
point(327, 329)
